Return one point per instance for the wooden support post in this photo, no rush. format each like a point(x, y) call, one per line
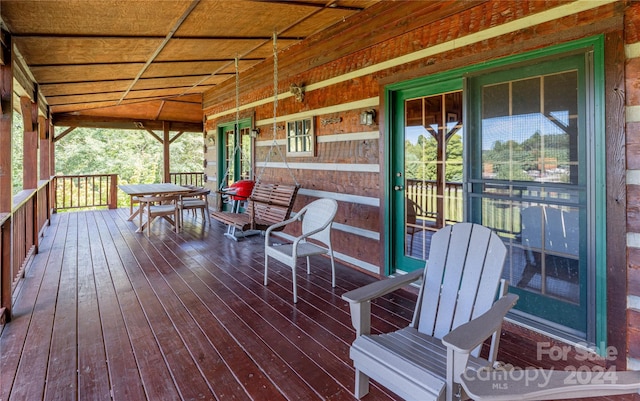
point(45, 144)
point(166, 143)
point(30, 145)
point(6, 185)
point(113, 192)
point(6, 100)
point(6, 278)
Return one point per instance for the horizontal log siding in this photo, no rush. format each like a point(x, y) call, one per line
point(632, 91)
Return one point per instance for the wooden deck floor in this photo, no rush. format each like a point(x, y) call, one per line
point(105, 313)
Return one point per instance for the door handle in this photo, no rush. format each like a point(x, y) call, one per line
point(398, 188)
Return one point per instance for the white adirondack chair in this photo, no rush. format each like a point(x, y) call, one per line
point(317, 218)
point(455, 313)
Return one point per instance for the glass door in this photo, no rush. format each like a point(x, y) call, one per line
point(529, 182)
point(427, 176)
point(235, 152)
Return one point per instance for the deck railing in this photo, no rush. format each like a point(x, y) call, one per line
point(19, 238)
point(425, 195)
point(195, 179)
point(85, 191)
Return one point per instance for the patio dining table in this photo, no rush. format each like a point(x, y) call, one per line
point(135, 190)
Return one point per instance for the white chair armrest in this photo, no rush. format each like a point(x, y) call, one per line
point(280, 224)
point(466, 337)
point(360, 298)
point(382, 287)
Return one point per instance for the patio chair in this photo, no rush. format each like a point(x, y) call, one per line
point(317, 218)
point(197, 199)
point(455, 314)
point(159, 206)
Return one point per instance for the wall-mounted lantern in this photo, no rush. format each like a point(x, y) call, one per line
point(367, 117)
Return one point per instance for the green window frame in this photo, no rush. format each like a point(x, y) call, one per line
point(301, 137)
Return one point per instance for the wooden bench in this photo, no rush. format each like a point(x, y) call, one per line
point(267, 205)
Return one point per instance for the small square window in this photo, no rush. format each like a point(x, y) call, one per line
point(301, 138)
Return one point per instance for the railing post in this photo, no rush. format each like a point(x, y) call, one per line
point(113, 192)
point(5, 270)
point(54, 194)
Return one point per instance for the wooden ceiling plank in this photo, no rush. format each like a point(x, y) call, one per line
point(76, 73)
point(162, 45)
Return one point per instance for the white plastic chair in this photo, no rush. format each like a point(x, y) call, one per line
point(317, 218)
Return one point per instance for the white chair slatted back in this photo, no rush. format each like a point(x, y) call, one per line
point(318, 214)
point(462, 278)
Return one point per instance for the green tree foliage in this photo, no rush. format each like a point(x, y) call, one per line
point(421, 158)
point(17, 140)
point(134, 155)
point(512, 160)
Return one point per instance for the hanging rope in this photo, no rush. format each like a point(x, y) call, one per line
point(236, 130)
point(274, 143)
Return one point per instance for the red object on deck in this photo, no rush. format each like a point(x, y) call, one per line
point(241, 190)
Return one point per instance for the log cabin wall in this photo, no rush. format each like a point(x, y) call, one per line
point(345, 71)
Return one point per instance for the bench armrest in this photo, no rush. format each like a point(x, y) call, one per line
point(360, 298)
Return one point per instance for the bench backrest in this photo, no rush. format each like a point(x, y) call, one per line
point(271, 203)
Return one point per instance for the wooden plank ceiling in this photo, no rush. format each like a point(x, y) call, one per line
point(122, 63)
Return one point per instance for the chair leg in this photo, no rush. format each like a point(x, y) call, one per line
point(148, 221)
point(266, 267)
point(333, 270)
point(295, 285)
point(140, 215)
point(362, 384)
point(308, 266)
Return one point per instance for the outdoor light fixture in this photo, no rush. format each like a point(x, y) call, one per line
point(367, 117)
point(254, 132)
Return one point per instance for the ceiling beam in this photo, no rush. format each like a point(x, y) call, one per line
point(332, 4)
point(107, 37)
point(63, 134)
point(64, 120)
